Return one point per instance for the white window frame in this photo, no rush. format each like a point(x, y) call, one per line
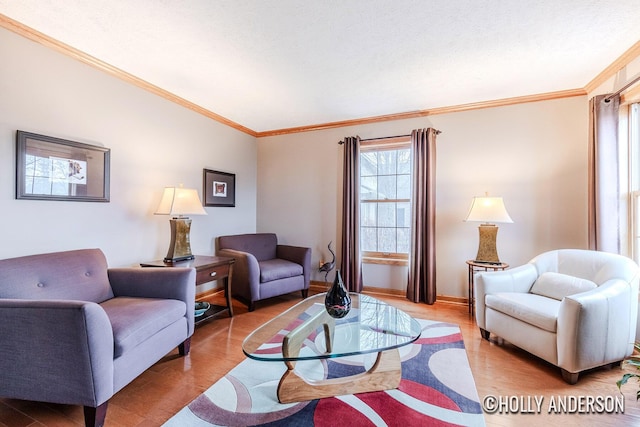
point(632, 122)
point(388, 258)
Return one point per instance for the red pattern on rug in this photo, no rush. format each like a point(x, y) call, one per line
point(430, 392)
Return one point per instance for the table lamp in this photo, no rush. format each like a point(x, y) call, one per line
point(180, 202)
point(488, 210)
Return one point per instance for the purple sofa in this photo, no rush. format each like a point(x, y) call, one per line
point(76, 332)
point(263, 268)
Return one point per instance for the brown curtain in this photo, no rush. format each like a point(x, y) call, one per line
point(604, 186)
point(350, 263)
point(422, 258)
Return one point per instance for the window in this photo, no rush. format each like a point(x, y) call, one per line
point(53, 176)
point(634, 184)
point(385, 202)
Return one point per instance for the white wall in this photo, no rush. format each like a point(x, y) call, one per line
point(154, 143)
point(534, 155)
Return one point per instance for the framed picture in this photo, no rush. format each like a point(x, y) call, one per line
point(49, 168)
point(219, 188)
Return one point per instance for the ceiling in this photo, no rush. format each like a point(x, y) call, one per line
point(277, 64)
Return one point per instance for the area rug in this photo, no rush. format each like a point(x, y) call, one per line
point(437, 389)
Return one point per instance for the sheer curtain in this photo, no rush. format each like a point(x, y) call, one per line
point(422, 258)
point(604, 185)
point(350, 261)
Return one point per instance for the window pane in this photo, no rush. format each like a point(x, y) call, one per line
point(385, 175)
point(636, 222)
point(403, 214)
point(386, 214)
point(404, 187)
point(42, 167)
point(59, 169)
point(29, 165)
point(404, 237)
point(634, 140)
point(387, 240)
point(60, 188)
point(386, 162)
point(369, 239)
point(41, 185)
point(404, 161)
point(368, 163)
point(368, 215)
point(28, 184)
point(386, 187)
point(368, 188)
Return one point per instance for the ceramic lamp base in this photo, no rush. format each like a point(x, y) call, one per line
point(180, 246)
point(487, 251)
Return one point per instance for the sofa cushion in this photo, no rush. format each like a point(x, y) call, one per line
point(134, 320)
point(79, 275)
point(275, 269)
point(530, 308)
point(260, 245)
point(557, 285)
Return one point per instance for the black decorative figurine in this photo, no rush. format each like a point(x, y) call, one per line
point(328, 266)
point(337, 302)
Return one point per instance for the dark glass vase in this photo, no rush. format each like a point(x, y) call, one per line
point(337, 302)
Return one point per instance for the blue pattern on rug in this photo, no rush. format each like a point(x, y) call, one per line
point(426, 396)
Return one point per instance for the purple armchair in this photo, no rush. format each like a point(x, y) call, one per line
point(76, 332)
point(263, 268)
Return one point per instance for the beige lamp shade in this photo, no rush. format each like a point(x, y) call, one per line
point(488, 210)
point(178, 201)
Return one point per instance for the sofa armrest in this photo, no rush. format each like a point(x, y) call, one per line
point(246, 274)
point(598, 326)
point(55, 351)
point(518, 279)
point(299, 255)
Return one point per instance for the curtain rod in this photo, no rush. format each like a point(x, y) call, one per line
point(388, 137)
point(631, 83)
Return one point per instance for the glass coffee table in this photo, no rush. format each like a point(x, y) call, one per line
point(307, 332)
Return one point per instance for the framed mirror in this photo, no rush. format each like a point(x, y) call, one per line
point(49, 168)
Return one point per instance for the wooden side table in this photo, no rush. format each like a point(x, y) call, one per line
point(474, 267)
point(208, 268)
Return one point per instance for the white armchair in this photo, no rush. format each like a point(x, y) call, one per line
point(576, 309)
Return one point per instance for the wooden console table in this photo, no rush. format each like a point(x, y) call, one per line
point(208, 268)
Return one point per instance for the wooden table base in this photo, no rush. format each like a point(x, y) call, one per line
point(385, 373)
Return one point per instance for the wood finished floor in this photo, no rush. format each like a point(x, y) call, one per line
point(498, 368)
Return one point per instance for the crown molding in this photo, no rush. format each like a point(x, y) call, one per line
point(633, 95)
point(85, 58)
point(632, 53)
point(430, 112)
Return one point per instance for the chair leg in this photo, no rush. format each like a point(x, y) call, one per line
point(570, 377)
point(184, 347)
point(485, 334)
point(305, 293)
point(251, 306)
point(94, 417)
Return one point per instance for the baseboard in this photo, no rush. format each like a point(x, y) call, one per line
point(384, 291)
point(317, 286)
point(453, 300)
